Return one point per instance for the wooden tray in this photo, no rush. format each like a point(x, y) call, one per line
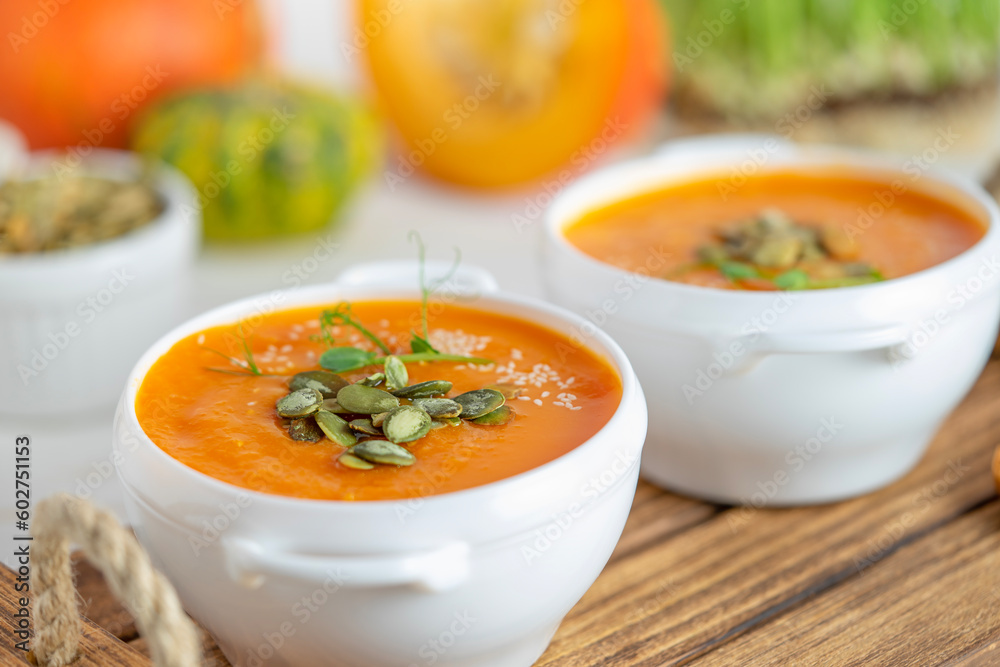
point(909, 575)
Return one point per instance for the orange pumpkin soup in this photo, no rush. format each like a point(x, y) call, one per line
point(225, 424)
point(778, 230)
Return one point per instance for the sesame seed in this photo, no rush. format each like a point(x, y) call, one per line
point(538, 401)
point(458, 342)
point(201, 339)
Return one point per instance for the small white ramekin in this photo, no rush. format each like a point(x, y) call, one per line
point(73, 322)
point(475, 578)
point(766, 398)
point(13, 149)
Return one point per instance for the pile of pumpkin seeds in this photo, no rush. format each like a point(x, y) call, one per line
point(376, 416)
point(771, 246)
point(45, 214)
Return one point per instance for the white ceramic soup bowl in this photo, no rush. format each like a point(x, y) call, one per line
point(784, 397)
point(73, 322)
point(476, 578)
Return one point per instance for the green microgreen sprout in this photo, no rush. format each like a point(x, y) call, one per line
point(248, 363)
point(341, 359)
point(344, 315)
point(422, 344)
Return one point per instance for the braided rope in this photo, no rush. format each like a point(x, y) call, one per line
point(64, 519)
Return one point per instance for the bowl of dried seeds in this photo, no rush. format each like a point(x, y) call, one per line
point(94, 256)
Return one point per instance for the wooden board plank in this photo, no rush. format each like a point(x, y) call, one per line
point(685, 595)
point(98, 604)
point(98, 648)
point(932, 602)
point(985, 656)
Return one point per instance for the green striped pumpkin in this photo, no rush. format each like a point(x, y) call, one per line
point(268, 158)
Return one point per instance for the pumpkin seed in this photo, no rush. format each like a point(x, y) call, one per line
point(778, 252)
point(509, 391)
point(331, 405)
point(837, 242)
point(378, 418)
point(373, 380)
point(335, 428)
point(352, 461)
point(479, 402)
point(364, 426)
point(452, 421)
point(772, 221)
point(406, 423)
point(300, 403)
point(325, 382)
point(424, 389)
point(364, 400)
point(42, 214)
point(396, 376)
point(438, 407)
point(812, 252)
point(380, 451)
point(305, 430)
point(499, 417)
point(435, 424)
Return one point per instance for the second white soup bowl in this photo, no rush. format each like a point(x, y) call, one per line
point(765, 398)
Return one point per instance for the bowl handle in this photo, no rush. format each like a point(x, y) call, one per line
point(405, 274)
point(249, 564)
point(855, 340)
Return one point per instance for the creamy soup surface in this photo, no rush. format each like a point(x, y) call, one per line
point(226, 425)
point(706, 232)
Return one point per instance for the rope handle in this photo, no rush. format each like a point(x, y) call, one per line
point(64, 519)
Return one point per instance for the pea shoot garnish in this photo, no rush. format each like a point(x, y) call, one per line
point(771, 251)
point(247, 365)
point(342, 359)
point(375, 416)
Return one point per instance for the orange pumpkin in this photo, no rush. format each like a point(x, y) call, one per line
point(504, 92)
point(75, 73)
